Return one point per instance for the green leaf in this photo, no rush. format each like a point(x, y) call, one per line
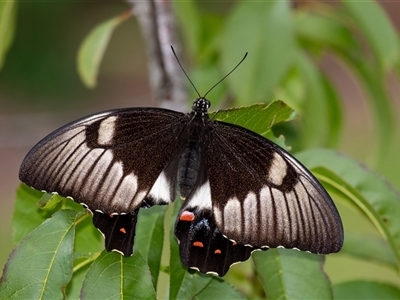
point(191, 24)
point(291, 274)
point(293, 90)
point(218, 289)
point(8, 11)
point(360, 289)
point(113, 276)
point(335, 30)
point(49, 201)
point(373, 249)
point(364, 189)
point(321, 31)
point(256, 117)
point(264, 29)
point(74, 287)
point(27, 215)
point(88, 239)
point(334, 112)
point(200, 29)
point(375, 25)
point(187, 283)
point(150, 237)
point(373, 81)
point(315, 125)
point(380, 35)
point(93, 47)
point(307, 90)
point(41, 265)
point(324, 127)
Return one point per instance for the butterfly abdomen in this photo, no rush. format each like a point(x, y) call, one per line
point(188, 168)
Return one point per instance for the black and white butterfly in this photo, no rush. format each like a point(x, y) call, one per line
point(241, 191)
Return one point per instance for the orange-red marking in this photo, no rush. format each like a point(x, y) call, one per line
point(218, 251)
point(122, 229)
point(198, 244)
point(186, 216)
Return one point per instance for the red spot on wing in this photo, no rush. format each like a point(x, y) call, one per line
point(122, 229)
point(186, 216)
point(217, 251)
point(198, 244)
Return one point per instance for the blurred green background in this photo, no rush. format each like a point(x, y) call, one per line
point(40, 91)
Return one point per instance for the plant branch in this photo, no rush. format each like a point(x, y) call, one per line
point(159, 30)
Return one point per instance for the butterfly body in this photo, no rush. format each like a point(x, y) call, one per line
point(241, 191)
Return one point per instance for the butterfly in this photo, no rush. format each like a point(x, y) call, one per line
point(241, 191)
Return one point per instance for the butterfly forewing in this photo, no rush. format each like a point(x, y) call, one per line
point(109, 161)
point(263, 197)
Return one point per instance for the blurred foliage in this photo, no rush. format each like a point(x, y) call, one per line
point(286, 44)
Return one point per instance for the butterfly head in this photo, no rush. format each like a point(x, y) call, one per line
point(201, 106)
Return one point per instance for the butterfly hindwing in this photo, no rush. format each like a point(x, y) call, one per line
point(118, 230)
point(203, 247)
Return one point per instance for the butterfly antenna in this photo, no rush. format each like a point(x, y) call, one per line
point(187, 76)
point(223, 78)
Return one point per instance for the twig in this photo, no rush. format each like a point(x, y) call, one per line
point(159, 30)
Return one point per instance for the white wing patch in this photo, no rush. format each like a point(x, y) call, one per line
point(306, 209)
point(266, 211)
point(250, 217)
point(161, 190)
point(125, 193)
point(271, 215)
point(106, 131)
point(278, 169)
point(233, 216)
point(295, 214)
point(111, 181)
point(83, 168)
point(137, 201)
point(201, 197)
point(280, 214)
point(217, 216)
